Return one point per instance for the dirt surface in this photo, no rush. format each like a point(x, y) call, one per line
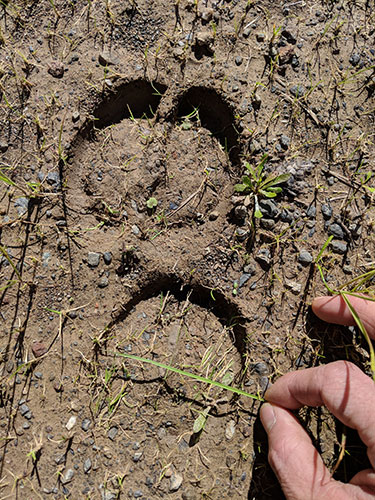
point(125, 127)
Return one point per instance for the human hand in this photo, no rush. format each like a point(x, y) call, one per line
point(347, 393)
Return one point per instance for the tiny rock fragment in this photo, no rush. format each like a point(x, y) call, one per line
point(294, 287)
point(71, 423)
point(56, 69)
point(38, 349)
point(230, 429)
point(106, 59)
point(175, 481)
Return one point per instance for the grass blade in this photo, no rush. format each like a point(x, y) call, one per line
point(363, 330)
point(192, 375)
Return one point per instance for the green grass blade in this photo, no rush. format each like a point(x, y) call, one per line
point(363, 330)
point(328, 241)
point(191, 375)
point(6, 255)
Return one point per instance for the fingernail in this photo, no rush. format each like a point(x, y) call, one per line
point(267, 416)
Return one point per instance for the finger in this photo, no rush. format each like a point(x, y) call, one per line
point(296, 463)
point(334, 310)
point(365, 479)
point(346, 391)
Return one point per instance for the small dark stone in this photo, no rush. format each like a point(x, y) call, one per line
point(264, 257)
point(56, 69)
point(339, 247)
point(87, 466)
point(107, 257)
point(268, 224)
point(103, 282)
point(336, 230)
point(327, 211)
point(354, 59)
point(75, 116)
point(269, 209)
point(260, 368)
point(311, 212)
point(86, 424)
point(112, 433)
point(241, 234)
point(53, 178)
point(284, 142)
point(3, 146)
point(24, 409)
point(240, 213)
point(93, 259)
point(286, 216)
point(243, 279)
point(22, 205)
point(297, 90)
point(305, 258)
point(238, 60)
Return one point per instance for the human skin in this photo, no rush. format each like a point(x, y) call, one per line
point(348, 394)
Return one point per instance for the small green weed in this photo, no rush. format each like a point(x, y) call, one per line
point(259, 184)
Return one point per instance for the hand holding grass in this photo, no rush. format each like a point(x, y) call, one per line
point(346, 391)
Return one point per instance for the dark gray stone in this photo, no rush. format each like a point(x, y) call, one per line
point(269, 209)
point(86, 424)
point(238, 60)
point(103, 282)
point(336, 230)
point(297, 90)
point(24, 409)
point(264, 257)
point(3, 146)
point(284, 142)
point(87, 466)
point(327, 211)
point(305, 258)
point(339, 247)
point(260, 368)
point(268, 224)
point(107, 257)
point(112, 433)
point(22, 205)
point(53, 179)
point(93, 259)
point(243, 279)
point(311, 212)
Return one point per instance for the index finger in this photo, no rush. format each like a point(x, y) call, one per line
point(334, 310)
point(346, 391)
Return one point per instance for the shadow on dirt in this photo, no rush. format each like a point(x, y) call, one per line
point(215, 114)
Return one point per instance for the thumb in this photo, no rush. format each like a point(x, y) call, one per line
point(334, 310)
point(296, 463)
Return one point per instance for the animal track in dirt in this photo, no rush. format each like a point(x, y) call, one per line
point(180, 326)
point(129, 153)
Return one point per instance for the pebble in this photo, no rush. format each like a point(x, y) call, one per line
point(45, 258)
point(260, 368)
point(136, 230)
point(311, 212)
point(294, 287)
point(107, 257)
point(53, 179)
point(269, 209)
point(3, 146)
point(112, 433)
point(354, 59)
point(240, 213)
point(86, 424)
point(336, 230)
point(175, 481)
point(241, 234)
point(286, 216)
point(138, 494)
point(103, 282)
point(264, 257)
point(268, 224)
point(297, 90)
point(327, 211)
point(56, 69)
point(305, 258)
point(24, 409)
point(238, 60)
point(137, 456)
point(230, 429)
point(284, 142)
point(93, 259)
point(243, 279)
point(75, 116)
point(87, 466)
point(71, 423)
point(106, 59)
point(213, 215)
point(68, 476)
point(22, 205)
point(38, 349)
point(339, 247)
